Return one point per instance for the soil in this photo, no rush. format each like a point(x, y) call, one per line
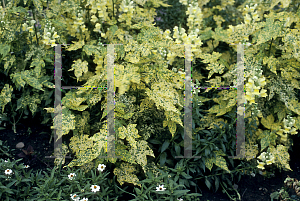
point(250, 188)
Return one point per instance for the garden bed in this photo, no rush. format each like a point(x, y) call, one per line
point(250, 188)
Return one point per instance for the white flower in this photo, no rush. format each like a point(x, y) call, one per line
point(71, 176)
point(180, 199)
point(160, 188)
point(101, 167)
point(75, 197)
point(5, 161)
point(26, 166)
point(84, 199)
point(95, 188)
point(8, 171)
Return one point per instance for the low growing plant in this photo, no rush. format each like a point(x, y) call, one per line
point(283, 193)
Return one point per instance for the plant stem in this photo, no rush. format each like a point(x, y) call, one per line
point(7, 154)
point(229, 195)
point(34, 17)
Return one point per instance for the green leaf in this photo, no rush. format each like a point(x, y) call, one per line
point(4, 50)
point(177, 149)
point(207, 183)
point(165, 145)
point(154, 141)
point(180, 192)
point(217, 183)
point(163, 158)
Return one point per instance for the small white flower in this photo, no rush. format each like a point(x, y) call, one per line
point(8, 171)
point(95, 188)
point(5, 161)
point(252, 174)
point(101, 167)
point(26, 166)
point(75, 197)
point(71, 176)
point(84, 199)
point(180, 199)
point(160, 188)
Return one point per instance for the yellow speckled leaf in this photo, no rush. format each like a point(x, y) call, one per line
point(209, 163)
point(76, 45)
point(221, 162)
point(5, 96)
point(281, 155)
point(130, 133)
point(125, 173)
point(268, 121)
point(172, 127)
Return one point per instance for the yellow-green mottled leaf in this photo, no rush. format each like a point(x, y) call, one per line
point(141, 152)
point(210, 58)
point(172, 116)
point(294, 106)
point(123, 77)
point(164, 96)
point(209, 163)
point(5, 96)
point(32, 81)
point(9, 61)
point(231, 103)
point(90, 49)
point(33, 103)
point(126, 173)
point(4, 50)
point(281, 156)
point(268, 121)
point(38, 5)
point(281, 114)
point(221, 162)
point(17, 79)
point(265, 141)
point(172, 127)
point(132, 57)
point(215, 68)
point(71, 101)
point(130, 133)
point(76, 45)
point(271, 30)
point(79, 67)
point(67, 122)
point(39, 64)
point(272, 63)
point(126, 155)
point(165, 123)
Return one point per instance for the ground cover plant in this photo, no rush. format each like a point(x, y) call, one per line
point(149, 82)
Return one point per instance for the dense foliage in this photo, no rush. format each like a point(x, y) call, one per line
point(149, 82)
